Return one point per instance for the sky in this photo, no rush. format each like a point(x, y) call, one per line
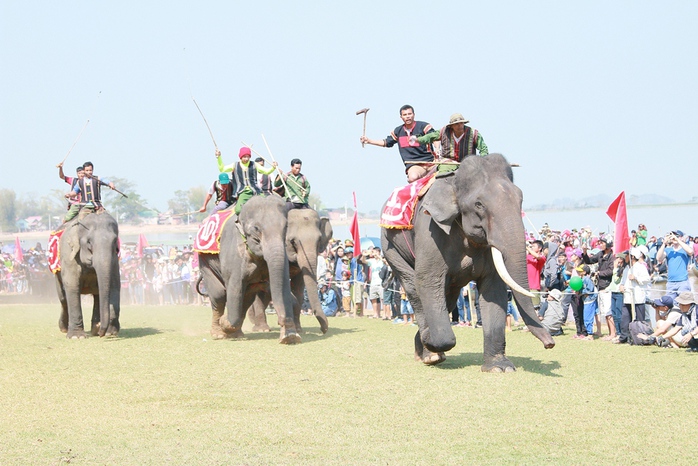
point(592, 97)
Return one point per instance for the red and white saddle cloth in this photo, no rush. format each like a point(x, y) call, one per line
point(208, 238)
point(400, 208)
point(54, 256)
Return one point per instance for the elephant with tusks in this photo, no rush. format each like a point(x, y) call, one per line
point(467, 227)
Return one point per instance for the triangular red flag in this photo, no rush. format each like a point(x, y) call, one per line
point(19, 255)
point(354, 229)
point(142, 244)
point(618, 212)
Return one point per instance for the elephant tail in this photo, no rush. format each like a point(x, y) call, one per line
point(199, 288)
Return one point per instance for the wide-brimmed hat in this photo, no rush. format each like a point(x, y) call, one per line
point(636, 253)
point(685, 297)
point(457, 118)
point(555, 294)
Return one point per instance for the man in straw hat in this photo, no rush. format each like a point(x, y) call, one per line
point(457, 141)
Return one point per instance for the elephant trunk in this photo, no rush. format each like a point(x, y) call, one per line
point(280, 282)
point(514, 260)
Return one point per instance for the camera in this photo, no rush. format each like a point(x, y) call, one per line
point(649, 302)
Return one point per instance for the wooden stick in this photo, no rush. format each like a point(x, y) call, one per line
point(207, 126)
point(76, 141)
point(83, 129)
point(281, 176)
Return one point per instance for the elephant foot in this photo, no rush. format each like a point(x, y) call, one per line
point(62, 326)
point(94, 331)
point(77, 334)
point(237, 334)
point(498, 364)
point(261, 328)
point(218, 334)
point(289, 337)
point(429, 358)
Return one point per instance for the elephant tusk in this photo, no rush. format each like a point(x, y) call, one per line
point(504, 273)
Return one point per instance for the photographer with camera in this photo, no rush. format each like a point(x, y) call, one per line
point(677, 254)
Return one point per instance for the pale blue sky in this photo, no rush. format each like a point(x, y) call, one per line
point(589, 97)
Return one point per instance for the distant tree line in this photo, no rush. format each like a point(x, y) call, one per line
point(133, 209)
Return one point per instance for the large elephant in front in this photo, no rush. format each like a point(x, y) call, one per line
point(306, 238)
point(466, 227)
point(252, 260)
point(89, 249)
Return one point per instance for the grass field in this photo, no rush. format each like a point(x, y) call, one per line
point(164, 393)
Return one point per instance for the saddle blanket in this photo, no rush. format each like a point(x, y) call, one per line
point(208, 238)
point(54, 256)
point(399, 210)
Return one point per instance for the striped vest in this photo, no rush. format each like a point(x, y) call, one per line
point(90, 192)
point(466, 146)
point(243, 178)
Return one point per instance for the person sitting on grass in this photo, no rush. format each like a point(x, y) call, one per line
point(685, 331)
point(667, 317)
point(553, 317)
point(328, 299)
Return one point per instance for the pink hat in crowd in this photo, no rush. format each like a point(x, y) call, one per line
point(245, 151)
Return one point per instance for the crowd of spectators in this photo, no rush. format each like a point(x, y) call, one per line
point(576, 278)
point(30, 276)
point(158, 277)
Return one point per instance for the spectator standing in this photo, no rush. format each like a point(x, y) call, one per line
point(632, 285)
point(605, 260)
point(535, 262)
point(677, 255)
point(375, 290)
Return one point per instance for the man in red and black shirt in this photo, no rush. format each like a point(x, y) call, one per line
point(417, 156)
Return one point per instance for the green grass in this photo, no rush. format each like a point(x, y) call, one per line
point(165, 393)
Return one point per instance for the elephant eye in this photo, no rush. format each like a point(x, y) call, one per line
point(479, 205)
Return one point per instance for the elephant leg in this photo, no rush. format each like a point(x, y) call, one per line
point(297, 288)
point(94, 328)
point(435, 324)
point(114, 305)
point(257, 312)
point(493, 305)
point(237, 303)
point(63, 319)
point(424, 355)
point(217, 297)
point(76, 327)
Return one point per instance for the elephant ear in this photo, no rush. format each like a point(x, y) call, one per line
point(325, 234)
point(440, 203)
point(73, 243)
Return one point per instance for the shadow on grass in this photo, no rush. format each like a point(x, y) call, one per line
point(457, 361)
point(136, 333)
point(309, 335)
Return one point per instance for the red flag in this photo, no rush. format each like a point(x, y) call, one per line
point(354, 229)
point(19, 255)
point(619, 214)
point(142, 244)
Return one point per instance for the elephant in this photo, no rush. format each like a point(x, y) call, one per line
point(252, 260)
point(307, 236)
point(89, 249)
point(466, 227)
